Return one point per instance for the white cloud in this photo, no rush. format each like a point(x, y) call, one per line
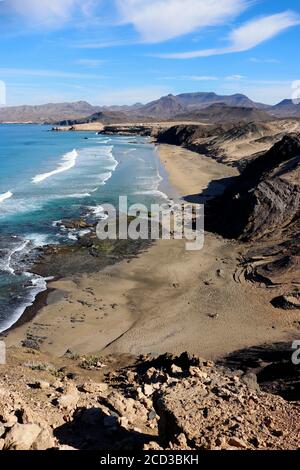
point(15, 72)
point(192, 78)
point(160, 20)
point(256, 60)
point(235, 77)
point(200, 78)
point(90, 63)
point(247, 36)
point(50, 13)
point(257, 31)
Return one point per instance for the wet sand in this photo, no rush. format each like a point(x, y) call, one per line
point(166, 299)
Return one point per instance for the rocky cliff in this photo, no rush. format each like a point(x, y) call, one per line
point(262, 208)
point(234, 143)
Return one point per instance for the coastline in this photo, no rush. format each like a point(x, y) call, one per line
point(166, 299)
point(30, 312)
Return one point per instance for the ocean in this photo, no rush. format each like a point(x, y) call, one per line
point(46, 177)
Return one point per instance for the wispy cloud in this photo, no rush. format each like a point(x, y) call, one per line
point(256, 60)
point(15, 72)
point(236, 78)
point(161, 20)
point(50, 13)
point(193, 78)
point(103, 44)
point(90, 63)
point(247, 36)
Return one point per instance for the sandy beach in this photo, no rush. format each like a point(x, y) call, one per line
point(166, 299)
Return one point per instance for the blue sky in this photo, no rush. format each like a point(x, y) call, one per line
point(127, 51)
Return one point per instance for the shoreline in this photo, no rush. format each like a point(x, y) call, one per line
point(203, 317)
point(31, 311)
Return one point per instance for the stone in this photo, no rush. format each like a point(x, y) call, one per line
point(152, 415)
point(21, 437)
point(66, 448)
point(250, 380)
point(148, 390)
point(11, 420)
point(91, 387)
point(130, 376)
point(42, 385)
point(1, 444)
point(176, 370)
point(69, 399)
point(2, 429)
point(152, 446)
point(123, 421)
point(236, 442)
point(44, 441)
point(197, 372)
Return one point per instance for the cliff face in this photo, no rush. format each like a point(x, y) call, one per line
point(228, 142)
point(263, 207)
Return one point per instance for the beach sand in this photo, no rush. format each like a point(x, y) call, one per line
point(166, 299)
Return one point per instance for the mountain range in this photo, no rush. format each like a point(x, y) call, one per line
point(188, 106)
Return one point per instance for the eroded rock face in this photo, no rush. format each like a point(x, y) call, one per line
point(263, 208)
point(21, 437)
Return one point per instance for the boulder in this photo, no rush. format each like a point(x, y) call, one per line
point(21, 437)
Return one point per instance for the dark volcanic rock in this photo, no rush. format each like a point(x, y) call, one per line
point(263, 206)
point(128, 130)
point(265, 198)
point(288, 301)
point(273, 366)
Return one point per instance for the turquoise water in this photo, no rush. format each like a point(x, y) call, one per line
point(46, 177)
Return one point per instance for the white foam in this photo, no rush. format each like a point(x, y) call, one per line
point(76, 195)
point(5, 196)
point(97, 211)
point(73, 237)
point(39, 284)
point(6, 265)
point(38, 239)
point(152, 192)
point(68, 162)
point(105, 177)
point(56, 223)
point(82, 233)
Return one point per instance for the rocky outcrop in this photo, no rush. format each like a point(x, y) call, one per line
point(165, 403)
point(232, 143)
point(262, 208)
point(128, 130)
